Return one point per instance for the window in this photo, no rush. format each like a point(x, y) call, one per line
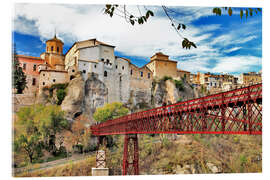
point(34, 67)
point(131, 72)
point(44, 74)
point(73, 70)
point(141, 74)
point(43, 83)
point(120, 78)
point(123, 67)
point(57, 49)
point(51, 48)
point(84, 71)
point(95, 66)
point(105, 74)
point(102, 59)
point(34, 81)
point(24, 66)
point(116, 67)
point(149, 75)
point(53, 80)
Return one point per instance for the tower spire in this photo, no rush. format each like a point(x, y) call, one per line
point(55, 33)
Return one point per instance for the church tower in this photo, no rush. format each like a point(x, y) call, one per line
point(53, 56)
point(54, 45)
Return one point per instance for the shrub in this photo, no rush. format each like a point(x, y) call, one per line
point(60, 95)
point(179, 85)
point(165, 78)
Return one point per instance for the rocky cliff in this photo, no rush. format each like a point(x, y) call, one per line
point(84, 97)
point(166, 91)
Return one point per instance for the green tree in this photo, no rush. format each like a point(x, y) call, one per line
point(36, 127)
point(18, 76)
point(30, 144)
point(110, 111)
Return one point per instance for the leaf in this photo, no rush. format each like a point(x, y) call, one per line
point(108, 6)
point(183, 26)
point(250, 11)
point(131, 16)
point(145, 19)
point(132, 22)
point(179, 26)
point(230, 11)
point(241, 13)
point(151, 13)
point(246, 13)
point(192, 44)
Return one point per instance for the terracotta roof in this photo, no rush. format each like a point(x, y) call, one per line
point(53, 70)
point(30, 57)
point(94, 39)
point(182, 70)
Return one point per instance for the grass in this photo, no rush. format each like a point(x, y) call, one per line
point(80, 168)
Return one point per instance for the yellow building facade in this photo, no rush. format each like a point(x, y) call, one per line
point(161, 66)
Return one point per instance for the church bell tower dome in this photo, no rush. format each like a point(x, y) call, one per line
point(54, 45)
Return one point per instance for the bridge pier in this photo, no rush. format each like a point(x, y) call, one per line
point(100, 169)
point(131, 155)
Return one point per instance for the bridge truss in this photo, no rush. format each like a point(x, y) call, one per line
point(234, 112)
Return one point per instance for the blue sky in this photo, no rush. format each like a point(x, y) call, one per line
point(225, 44)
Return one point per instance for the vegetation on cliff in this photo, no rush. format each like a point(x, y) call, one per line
point(110, 111)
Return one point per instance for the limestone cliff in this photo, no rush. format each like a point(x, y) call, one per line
point(166, 91)
point(73, 102)
point(84, 97)
point(96, 95)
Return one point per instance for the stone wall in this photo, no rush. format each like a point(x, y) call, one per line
point(22, 100)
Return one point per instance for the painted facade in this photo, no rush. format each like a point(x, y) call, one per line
point(30, 65)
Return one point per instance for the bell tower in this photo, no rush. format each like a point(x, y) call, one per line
point(54, 53)
point(54, 45)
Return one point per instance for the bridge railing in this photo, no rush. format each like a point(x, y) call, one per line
point(237, 111)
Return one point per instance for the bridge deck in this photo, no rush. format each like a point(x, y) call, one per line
point(234, 112)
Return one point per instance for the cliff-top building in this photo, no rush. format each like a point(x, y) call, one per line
point(122, 79)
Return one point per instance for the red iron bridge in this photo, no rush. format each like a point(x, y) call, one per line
point(237, 111)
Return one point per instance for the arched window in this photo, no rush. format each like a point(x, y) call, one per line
point(57, 49)
point(51, 48)
point(131, 72)
point(149, 75)
point(141, 74)
point(123, 67)
point(34, 67)
point(34, 81)
point(105, 74)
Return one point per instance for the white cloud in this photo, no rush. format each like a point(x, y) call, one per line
point(234, 65)
point(232, 49)
point(77, 22)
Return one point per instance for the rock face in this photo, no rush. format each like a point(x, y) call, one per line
point(166, 91)
point(73, 102)
point(83, 97)
point(96, 95)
